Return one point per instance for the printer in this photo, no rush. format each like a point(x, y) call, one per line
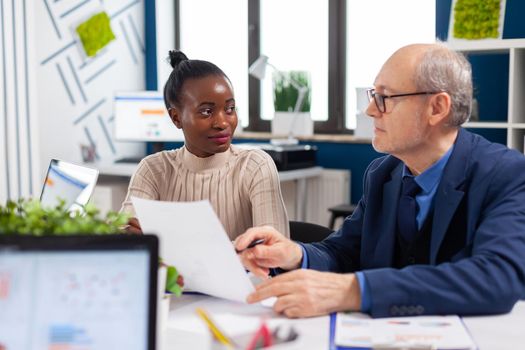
point(286, 157)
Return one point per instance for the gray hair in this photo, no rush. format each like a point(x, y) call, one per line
point(442, 69)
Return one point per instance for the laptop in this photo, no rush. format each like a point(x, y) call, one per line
point(78, 292)
point(69, 182)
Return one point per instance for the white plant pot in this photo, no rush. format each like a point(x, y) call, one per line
point(292, 124)
point(364, 126)
point(163, 305)
point(164, 311)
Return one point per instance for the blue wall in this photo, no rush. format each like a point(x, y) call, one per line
point(491, 89)
point(150, 33)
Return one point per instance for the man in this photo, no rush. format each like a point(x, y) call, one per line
point(440, 228)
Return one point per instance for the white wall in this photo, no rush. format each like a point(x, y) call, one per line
point(165, 39)
point(19, 161)
point(52, 97)
point(74, 102)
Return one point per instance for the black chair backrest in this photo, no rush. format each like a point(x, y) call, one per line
point(306, 232)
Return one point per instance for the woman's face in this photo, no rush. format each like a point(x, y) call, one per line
point(207, 115)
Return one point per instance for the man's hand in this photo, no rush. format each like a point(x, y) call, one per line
point(305, 293)
point(133, 226)
point(277, 251)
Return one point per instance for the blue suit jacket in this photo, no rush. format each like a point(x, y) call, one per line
point(477, 249)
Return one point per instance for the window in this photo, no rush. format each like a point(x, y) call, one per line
point(294, 35)
point(341, 43)
point(214, 31)
point(299, 35)
point(375, 29)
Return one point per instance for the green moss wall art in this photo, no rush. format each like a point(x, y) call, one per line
point(478, 19)
point(95, 33)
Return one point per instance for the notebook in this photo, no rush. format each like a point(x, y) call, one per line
point(78, 292)
point(70, 182)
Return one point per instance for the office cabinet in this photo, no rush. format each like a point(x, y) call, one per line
point(499, 85)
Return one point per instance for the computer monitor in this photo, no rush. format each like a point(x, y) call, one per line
point(69, 182)
point(142, 116)
point(78, 292)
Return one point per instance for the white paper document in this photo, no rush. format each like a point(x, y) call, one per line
point(421, 332)
point(193, 240)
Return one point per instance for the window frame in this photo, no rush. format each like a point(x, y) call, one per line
point(335, 124)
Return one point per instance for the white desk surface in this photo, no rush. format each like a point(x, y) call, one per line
point(186, 331)
point(502, 332)
point(115, 169)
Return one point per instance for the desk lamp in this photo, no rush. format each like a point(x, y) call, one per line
point(258, 70)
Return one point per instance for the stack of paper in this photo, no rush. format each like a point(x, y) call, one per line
point(193, 240)
point(421, 332)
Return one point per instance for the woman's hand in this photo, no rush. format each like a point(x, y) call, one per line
point(133, 226)
point(276, 251)
point(180, 281)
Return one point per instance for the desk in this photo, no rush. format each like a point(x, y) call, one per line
point(502, 332)
point(186, 331)
point(300, 176)
point(116, 169)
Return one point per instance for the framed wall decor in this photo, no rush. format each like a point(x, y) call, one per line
point(476, 20)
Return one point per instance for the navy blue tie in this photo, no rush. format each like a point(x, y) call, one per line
point(407, 209)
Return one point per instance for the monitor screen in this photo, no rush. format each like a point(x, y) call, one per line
point(69, 182)
point(74, 299)
point(142, 116)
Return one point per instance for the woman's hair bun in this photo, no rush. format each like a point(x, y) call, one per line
point(176, 57)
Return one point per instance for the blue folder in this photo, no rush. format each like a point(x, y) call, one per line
point(332, 345)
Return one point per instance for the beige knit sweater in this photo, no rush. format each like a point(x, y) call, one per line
point(241, 185)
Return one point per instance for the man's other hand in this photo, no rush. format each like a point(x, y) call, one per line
point(306, 293)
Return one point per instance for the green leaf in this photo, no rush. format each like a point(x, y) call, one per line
point(171, 281)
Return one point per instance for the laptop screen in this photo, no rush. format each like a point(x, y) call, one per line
point(69, 182)
point(78, 292)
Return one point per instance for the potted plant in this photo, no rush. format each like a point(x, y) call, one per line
point(291, 92)
point(29, 217)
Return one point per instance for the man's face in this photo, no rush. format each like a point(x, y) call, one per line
point(207, 115)
point(403, 126)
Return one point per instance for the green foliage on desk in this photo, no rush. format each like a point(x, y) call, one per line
point(476, 19)
point(29, 217)
point(285, 94)
point(173, 282)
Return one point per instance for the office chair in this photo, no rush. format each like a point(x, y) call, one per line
point(307, 232)
point(340, 211)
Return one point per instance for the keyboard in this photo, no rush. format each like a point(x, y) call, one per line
point(132, 160)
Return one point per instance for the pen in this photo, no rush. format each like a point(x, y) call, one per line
point(251, 245)
point(217, 333)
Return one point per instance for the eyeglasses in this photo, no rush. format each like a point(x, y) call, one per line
point(379, 99)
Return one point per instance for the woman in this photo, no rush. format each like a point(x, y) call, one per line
point(241, 185)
